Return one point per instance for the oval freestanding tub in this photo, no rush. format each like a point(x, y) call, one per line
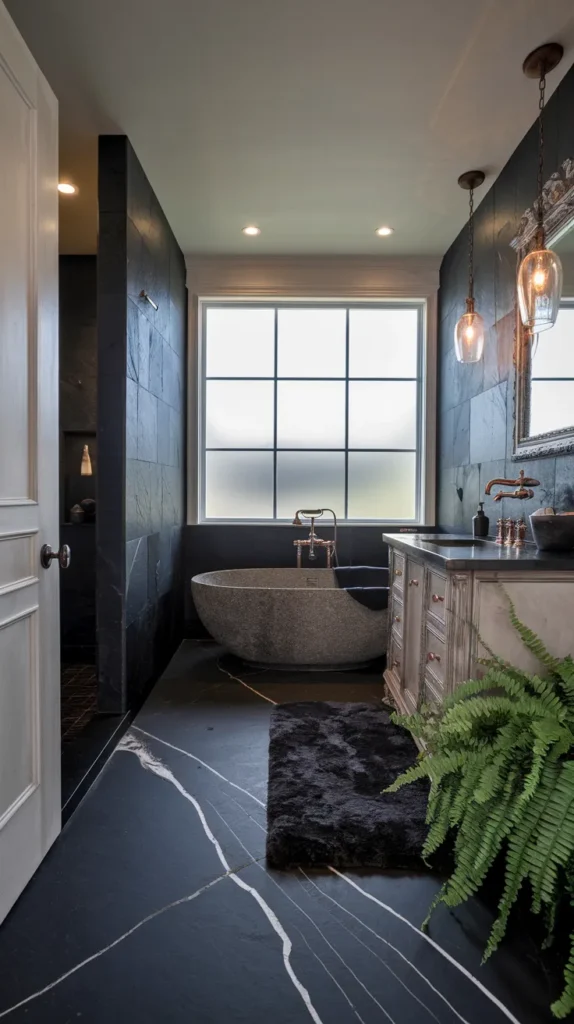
point(288, 618)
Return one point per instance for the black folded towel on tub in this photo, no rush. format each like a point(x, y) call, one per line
point(367, 584)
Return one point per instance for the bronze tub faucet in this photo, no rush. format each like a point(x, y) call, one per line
point(523, 485)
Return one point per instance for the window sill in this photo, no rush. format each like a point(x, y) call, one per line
point(382, 524)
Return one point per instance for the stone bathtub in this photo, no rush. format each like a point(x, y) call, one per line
point(288, 618)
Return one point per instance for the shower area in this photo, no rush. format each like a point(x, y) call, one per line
point(78, 477)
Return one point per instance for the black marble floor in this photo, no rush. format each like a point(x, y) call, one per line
point(155, 905)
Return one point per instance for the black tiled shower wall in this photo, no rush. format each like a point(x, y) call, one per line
point(141, 430)
point(476, 402)
point(78, 413)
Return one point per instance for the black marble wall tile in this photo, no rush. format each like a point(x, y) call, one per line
point(136, 577)
point(163, 433)
point(143, 375)
point(147, 426)
point(488, 424)
point(156, 346)
point(78, 595)
point(461, 434)
point(132, 390)
point(487, 388)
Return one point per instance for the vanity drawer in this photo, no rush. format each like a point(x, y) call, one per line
point(434, 690)
point(436, 596)
point(395, 657)
point(398, 572)
point(435, 656)
point(397, 615)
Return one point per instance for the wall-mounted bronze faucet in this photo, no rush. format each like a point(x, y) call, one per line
point(523, 485)
point(314, 541)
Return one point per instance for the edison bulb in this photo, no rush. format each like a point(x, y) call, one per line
point(469, 338)
point(539, 289)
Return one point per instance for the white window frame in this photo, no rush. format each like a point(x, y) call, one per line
point(235, 285)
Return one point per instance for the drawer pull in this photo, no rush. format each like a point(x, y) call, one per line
point(397, 618)
point(431, 656)
point(398, 572)
point(413, 583)
point(437, 597)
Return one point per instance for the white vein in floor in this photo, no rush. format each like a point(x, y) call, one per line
point(315, 925)
point(395, 950)
point(236, 679)
point(384, 906)
point(116, 942)
point(132, 744)
point(204, 764)
point(323, 936)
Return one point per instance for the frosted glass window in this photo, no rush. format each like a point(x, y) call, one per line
point(553, 350)
point(312, 405)
point(382, 485)
point(310, 480)
point(382, 414)
point(310, 414)
point(239, 414)
point(551, 405)
point(383, 342)
point(311, 342)
point(240, 342)
point(239, 485)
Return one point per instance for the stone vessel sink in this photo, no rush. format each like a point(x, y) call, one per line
point(553, 533)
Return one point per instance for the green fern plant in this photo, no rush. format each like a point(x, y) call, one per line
point(499, 754)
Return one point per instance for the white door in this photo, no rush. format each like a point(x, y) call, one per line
point(29, 594)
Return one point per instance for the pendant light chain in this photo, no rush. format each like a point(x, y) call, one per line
point(471, 246)
point(540, 183)
point(469, 329)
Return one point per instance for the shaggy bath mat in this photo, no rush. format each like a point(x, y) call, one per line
point(328, 763)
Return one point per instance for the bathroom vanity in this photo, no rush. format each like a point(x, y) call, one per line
point(448, 592)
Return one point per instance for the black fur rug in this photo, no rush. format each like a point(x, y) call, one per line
point(328, 763)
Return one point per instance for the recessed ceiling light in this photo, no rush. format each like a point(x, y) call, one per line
point(66, 188)
point(384, 231)
point(251, 229)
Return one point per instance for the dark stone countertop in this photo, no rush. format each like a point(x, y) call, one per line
point(464, 553)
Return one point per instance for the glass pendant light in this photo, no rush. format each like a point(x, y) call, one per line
point(540, 273)
point(469, 331)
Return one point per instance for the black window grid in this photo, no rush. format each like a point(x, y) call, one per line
point(346, 380)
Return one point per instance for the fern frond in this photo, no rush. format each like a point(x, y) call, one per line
point(531, 640)
point(565, 1004)
point(500, 760)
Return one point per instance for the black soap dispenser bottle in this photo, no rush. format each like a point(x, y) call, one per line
point(480, 522)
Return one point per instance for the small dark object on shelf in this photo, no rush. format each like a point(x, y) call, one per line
point(77, 514)
point(89, 507)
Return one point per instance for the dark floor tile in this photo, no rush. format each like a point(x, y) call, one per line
point(155, 903)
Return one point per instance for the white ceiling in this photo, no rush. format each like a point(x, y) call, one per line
point(318, 120)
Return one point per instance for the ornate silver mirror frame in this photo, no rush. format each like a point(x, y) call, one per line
point(558, 199)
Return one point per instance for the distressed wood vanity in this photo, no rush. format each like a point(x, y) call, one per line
point(446, 592)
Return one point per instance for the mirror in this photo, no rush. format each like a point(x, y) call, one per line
point(544, 392)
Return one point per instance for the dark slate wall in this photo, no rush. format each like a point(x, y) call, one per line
point(475, 403)
point(141, 430)
point(78, 408)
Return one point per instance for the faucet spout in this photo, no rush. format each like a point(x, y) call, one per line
point(523, 485)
